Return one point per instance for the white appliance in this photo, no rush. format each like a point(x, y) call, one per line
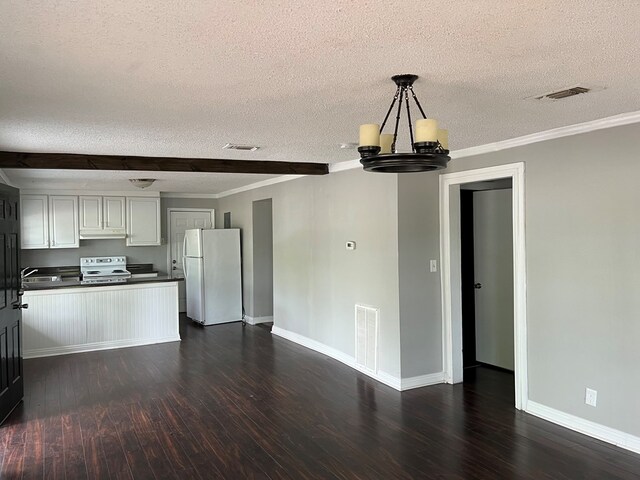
point(104, 270)
point(211, 263)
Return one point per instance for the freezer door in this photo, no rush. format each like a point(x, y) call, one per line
point(193, 269)
point(192, 243)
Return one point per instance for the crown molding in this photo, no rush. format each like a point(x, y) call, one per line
point(570, 130)
point(5, 178)
point(264, 183)
point(187, 195)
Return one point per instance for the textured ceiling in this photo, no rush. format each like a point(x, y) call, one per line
point(178, 78)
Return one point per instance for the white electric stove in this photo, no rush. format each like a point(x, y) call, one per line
point(104, 269)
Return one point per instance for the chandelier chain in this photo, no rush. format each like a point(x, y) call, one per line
point(395, 98)
point(417, 101)
point(395, 132)
point(406, 99)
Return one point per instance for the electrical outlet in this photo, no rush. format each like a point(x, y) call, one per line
point(433, 266)
point(591, 397)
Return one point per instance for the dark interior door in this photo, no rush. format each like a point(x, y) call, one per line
point(11, 381)
point(467, 280)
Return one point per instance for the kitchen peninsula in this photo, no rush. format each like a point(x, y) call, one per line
point(70, 316)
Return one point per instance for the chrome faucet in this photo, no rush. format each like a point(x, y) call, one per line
point(25, 275)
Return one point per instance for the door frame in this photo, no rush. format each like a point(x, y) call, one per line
point(183, 209)
point(450, 280)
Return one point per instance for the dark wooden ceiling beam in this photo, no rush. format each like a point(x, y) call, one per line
point(72, 161)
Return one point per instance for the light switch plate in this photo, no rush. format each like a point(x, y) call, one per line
point(351, 245)
point(433, 266)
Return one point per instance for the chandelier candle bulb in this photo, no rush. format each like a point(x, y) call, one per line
point(426, 130)
point(370, 135)
point(443, 138)
point(386, 142)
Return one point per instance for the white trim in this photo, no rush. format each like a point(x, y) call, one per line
point(421, 381)
point(188, 195)
point(450, 271)
point(383, 377)
point(263, 183)
point(183, 209)
point(5, 178)
point(586, 427)
point(569, 130)
point(257, 320)
point(92, 347)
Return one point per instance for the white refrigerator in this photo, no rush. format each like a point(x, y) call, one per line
point(211, 261)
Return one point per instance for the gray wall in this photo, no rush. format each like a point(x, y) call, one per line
point(583, 269)
point(155, 255)
point(316, 281)
point(262, 258)
point(493, 265)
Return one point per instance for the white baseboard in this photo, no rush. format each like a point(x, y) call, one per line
point(383, 377)
point(421, 381)
point(587, 427)
point(257, 320)
point(92, 347)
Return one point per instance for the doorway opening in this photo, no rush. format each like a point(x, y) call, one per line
point(179, 220)
point(491, 341)
point(486, 257)
point(262, 228)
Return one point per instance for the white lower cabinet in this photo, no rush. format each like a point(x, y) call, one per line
point(71, 320)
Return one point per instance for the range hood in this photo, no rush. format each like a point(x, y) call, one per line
point(101, 235)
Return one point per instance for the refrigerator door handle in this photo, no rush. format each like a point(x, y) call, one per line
point(184, 255)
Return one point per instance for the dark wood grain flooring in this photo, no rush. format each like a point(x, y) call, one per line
point(233, 403)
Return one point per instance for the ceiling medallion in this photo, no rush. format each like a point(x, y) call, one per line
point(429, 148)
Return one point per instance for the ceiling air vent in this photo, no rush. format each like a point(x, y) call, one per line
point(244, 148)
point(565, 93)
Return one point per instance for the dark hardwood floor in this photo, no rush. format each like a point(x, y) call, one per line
point(233, 402)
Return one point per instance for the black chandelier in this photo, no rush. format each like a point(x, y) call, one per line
point(429, 149)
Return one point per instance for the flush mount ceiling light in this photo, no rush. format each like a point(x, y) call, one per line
point(429, 148)
point(142, 182)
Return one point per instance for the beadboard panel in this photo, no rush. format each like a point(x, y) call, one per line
point(84, 319)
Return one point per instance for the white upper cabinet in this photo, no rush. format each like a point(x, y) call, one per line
point(63, 221)
point(113, 209)
point(102, 215)
point(90, 214)
point(143, 221)
point(34, 221)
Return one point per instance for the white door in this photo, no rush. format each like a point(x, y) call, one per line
point(179, 221)
point(63, 221)
point(493, 273)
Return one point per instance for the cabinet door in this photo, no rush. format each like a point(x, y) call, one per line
point(114, 208)
point(143, 221)
point(90, 213)
point(63, 221)
point(34, 221)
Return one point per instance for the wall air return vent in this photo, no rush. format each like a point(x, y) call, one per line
point(244, 148)
point(367, 326)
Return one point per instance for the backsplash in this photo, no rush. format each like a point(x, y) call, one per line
point(96, 248)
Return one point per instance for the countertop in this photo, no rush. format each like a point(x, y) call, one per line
point(75, 283)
